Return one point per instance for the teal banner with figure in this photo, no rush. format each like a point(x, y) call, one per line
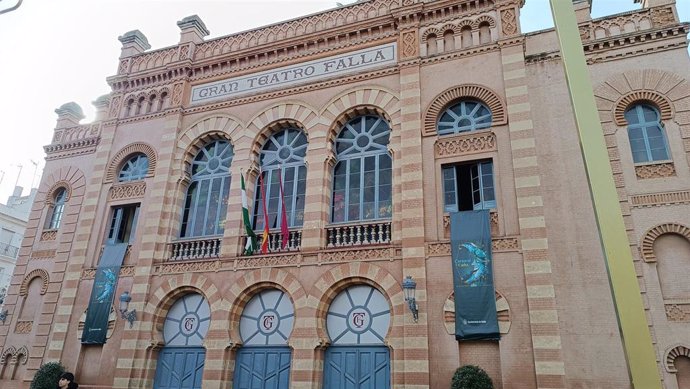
point(102, 293)
point(473, 281)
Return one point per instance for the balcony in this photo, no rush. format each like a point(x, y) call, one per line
point(362, 233)
point(9, 250)
point(275, 241)
point(195, 248)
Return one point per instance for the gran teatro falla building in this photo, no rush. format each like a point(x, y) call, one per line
point(378, 120)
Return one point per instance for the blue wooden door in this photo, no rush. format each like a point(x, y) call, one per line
point(180, 368)
point(262, 368)
point(357, 367)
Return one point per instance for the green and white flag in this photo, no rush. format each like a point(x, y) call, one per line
point(250, 247)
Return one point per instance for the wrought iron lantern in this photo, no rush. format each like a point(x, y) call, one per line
point(409, 287)
point(130, 316)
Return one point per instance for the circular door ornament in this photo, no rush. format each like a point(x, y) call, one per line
point(267, 319)
point(187, 321)
point(358, 315)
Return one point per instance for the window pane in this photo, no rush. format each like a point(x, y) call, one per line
point(466, 115)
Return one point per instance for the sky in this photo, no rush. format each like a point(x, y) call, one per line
point(56, 51)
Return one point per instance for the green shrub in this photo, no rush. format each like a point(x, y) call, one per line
point(47, 376)
point(471, 377)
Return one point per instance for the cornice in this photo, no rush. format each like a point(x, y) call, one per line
point(307, 56)
point(71, 149)
point(167, 112)
point(475, 50)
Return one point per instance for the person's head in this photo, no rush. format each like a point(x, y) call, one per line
point(66, 379)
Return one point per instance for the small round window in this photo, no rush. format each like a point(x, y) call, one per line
point(467, 115)
point(135, 168)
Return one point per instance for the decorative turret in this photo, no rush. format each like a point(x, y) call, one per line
point(101, 105)
point(192, 29)
point(654, 3)
point(69, 115)
point(133, 43)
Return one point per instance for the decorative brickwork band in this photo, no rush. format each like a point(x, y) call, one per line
point(656, 170)
point(677, 312)
point(647, 244)
point(622, 105)
point(128, 190)
point(481, 93)
point(465, 144)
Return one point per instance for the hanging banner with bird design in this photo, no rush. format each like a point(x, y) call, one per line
point(473, 282)
point(102, 293)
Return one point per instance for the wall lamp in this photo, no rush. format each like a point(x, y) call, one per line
point(3, 315)
point(130, 316)
point(409, 287)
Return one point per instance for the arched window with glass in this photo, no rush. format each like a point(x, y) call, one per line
point(646, 135)
point(57, 210)
point(362, 177)
point(282, 160)
point(134, 169)
point(463, 116)
point(207, 196)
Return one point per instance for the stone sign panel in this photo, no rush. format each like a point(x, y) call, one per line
point(286, 76)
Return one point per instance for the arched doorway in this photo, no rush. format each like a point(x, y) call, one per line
point(357, 323)
point(181, 361)
point(264, 360)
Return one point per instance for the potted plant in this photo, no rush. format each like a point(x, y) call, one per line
point(47, 376)
point(471, 377)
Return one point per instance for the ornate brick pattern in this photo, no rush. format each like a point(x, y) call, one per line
point(678, 312)
point(660, 101)
point(146, 102)
point(115, 164)
point(481, 93)
point(657, 170)
point(23, 327)
point(128, 190)
point(48, 235)
point(71, 149)
point(657, 199)
point(43, 254)
point(469, 143)
point(508, 22)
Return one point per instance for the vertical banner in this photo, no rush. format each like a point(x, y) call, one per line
point(102, 293)
point(473, 281)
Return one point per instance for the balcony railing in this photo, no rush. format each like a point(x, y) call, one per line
point(358, 234)
point(199, 248)
point(9, 250)
point(275, 241)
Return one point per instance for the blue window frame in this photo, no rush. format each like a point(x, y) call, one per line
point(465, 115)
point(134, 169)
point(207, 196)
point(646, 135)
point(362, 177)
point(283, 152)
point(468, 186)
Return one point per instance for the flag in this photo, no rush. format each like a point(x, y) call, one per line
point(264, 238)
point(284, 231)
point(250, 247)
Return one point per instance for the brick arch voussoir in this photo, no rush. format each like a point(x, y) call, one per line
point(7, 354)
point(430, 31)
point(359, 101)
point(70, 178)
point(648, 239)
point(661, 102)
point(116, 163)
point(450, 27)
point(206, 129)
point(465, 23)
point(661, 88)
point(487, 19)
point(269, 129)
point(40, 273)
point(174, 288)
point(254, 282)
point(338, 278)
point(474, 91)
point(673, 353)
